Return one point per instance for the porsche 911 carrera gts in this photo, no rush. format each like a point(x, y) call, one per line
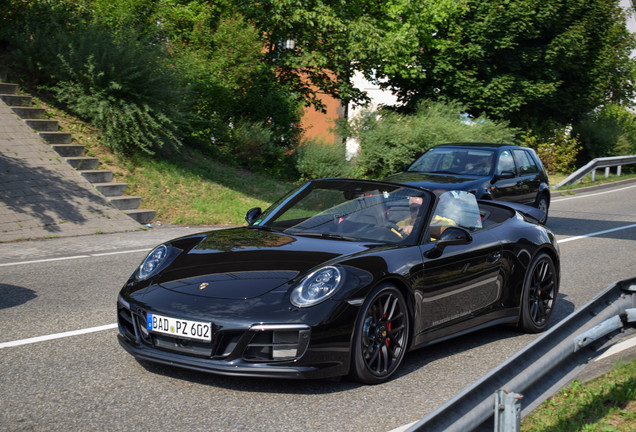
point(340, 277)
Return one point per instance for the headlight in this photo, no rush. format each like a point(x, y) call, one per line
point(317, 287)
point(153, 262)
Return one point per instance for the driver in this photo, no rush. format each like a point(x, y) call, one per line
point(406, 226)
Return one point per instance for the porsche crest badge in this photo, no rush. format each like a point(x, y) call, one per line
point(203, 285)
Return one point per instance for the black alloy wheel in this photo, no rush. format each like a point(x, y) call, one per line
point(540, 292)
point(381, 336)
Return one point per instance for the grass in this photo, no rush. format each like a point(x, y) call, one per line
point(196, 190)
point(605, 404)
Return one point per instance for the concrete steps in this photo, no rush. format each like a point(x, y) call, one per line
point(126, 202)
point(29, 112)
point(16, 100)
point(74, 154)
point(97, 176)
point(43, 125)
point(56, 137)
point(141, 215)
point(82, 162)
point(111, 189)
point(69, 150)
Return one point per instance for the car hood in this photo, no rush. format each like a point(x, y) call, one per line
point(243, 263)
point(436, 181)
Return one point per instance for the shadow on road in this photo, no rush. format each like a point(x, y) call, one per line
point(11, 296)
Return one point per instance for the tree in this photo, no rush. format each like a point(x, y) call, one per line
point(331, 39)
point(531, 62)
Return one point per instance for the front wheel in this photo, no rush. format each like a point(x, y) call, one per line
point(381, 336)
point(539, 295)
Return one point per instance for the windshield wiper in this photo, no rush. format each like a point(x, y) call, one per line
point(442, 172)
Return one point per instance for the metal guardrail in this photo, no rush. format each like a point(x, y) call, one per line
point(539, 370)
point(594, 164)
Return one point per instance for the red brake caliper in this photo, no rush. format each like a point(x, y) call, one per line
point(388, 328)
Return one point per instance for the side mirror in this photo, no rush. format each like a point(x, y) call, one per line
point(506, 175)
point(253, 215)
point(405, 167)
point(451, 236)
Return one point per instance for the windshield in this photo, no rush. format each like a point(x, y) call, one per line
point(455, 160)
point(350, 210)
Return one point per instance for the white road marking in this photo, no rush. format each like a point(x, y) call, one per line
point(594, 234)
point(404, 428)
point(75, 257)
point(57, 336)
point(615, 349)
point(45, 260)
point(591, 194)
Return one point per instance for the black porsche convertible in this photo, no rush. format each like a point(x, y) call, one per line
point(340, 277)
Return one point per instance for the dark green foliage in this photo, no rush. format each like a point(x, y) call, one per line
point(253, 146)
point(231, 83)
point(124, 87)
point(121, 84)
point(33, 33)
point(608, 131)
point(531, 62)
point(149, 73)
point(317, 159)
point(389, 140)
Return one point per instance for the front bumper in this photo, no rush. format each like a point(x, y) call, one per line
point(260, 350)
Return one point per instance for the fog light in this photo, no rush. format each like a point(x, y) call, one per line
point(277, 342)
point(285, 345)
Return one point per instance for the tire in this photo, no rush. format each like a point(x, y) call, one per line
point(381, 336)
point(540, 290)
point(543, 204)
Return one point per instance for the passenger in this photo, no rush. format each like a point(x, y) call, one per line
point(480, 166)
point(441, 219)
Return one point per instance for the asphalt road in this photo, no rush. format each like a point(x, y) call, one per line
point(87, 382)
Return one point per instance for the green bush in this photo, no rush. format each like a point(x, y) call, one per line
point(389, 140)
point(557, 153)
point(151, 73)
point(609, 131)
point(123, 87)
point(317, 159)
point(252, 145)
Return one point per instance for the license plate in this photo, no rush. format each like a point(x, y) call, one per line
point(179, 327)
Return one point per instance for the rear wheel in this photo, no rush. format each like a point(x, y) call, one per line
point(543, 205)
point(539, 296)
point(381, 336)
